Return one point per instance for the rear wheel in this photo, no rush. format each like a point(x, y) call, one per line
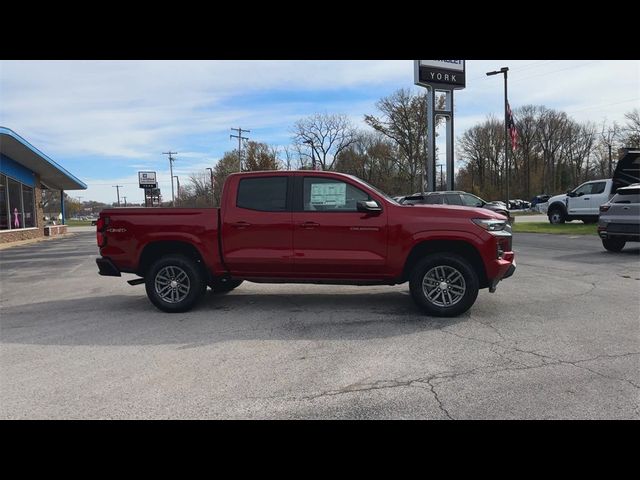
point(556, 216)
point(174, 283)
point(613, 245)
point(444, 284)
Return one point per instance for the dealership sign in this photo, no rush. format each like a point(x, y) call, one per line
point(439, 73)
point(147, 179)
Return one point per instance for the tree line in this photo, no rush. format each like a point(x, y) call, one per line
point(554, 152)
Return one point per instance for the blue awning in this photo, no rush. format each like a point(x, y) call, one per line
point(52, 175)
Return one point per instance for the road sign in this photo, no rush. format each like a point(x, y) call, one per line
point(147, 179)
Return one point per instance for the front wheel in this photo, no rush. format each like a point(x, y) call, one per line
point(174, 283)
point(556, 217)
point(444, 284)
point(613, 245)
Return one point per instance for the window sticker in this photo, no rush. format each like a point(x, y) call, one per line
point(329, 194)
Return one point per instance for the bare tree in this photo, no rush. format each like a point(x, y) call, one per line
point(324, 136)
point(403, 119)
point(632, 129)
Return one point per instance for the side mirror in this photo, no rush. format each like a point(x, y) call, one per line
point(368, 206)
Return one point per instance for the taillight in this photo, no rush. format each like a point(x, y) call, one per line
point(101, 224)
point(604, 208)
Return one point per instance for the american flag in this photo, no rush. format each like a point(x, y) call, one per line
point(511, 125)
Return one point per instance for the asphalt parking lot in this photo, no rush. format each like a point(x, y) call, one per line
point(558, 340)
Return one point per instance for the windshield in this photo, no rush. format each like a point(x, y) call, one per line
point(378, 191)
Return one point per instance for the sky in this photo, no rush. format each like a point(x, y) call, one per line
point(106, 120)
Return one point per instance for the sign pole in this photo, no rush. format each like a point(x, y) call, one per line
point(446, 76)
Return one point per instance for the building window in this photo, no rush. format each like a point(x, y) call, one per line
point(4, 209)
point(28, 204)
point(17, 205)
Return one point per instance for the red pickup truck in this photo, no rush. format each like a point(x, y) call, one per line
point(307, 227)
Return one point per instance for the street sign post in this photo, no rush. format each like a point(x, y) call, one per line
point(442, 76)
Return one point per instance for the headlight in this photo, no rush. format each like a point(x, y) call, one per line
point(490, 225)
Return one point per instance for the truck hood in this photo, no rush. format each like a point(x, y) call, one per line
point(557, 198)
point(444, 211)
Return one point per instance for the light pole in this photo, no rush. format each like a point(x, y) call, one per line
point(313, 150)
point(504, 71)
point(213, 199)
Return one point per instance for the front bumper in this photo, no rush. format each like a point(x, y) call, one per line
point(505, 272)
point(106, 268)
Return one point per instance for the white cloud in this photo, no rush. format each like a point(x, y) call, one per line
point(128, 112)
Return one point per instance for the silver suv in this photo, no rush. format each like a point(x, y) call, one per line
point(619, 220)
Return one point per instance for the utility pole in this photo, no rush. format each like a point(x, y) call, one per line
point(117, 187)
point(178, 184)
point(609, 160)
point(125, 201)
point(171, 160)
point(240, 138)
point(213, 198)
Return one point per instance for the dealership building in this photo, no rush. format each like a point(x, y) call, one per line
point(24, 172)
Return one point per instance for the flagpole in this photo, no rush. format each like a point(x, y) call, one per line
point(506, 134)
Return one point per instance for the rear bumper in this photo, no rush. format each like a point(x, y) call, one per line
point(106, 268)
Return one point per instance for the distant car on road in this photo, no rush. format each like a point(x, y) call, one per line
point(454, 197)
point(619, 220)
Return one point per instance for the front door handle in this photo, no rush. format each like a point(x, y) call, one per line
point(309, 225)
point(586, 198)
point(241, 224)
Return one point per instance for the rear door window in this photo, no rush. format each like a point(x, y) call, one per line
point(266, 194)
point(453, 199)
point(433, 200)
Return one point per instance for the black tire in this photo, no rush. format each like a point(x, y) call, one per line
point(436, 306)
point(186, 293)
point(556, 216)
point(613, 244)
point(224, 285)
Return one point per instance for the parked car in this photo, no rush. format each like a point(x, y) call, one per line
point(456, 198)
point(581, 203)
point(307, 227)
point(619, 220)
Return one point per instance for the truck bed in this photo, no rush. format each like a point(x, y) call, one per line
point(131, 230)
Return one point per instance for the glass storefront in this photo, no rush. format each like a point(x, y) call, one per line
point(17, 205)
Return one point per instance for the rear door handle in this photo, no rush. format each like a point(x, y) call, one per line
point(586, 198)
point(309, 225)
point(241, 224)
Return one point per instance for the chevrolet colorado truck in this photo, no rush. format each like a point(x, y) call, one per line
point(307, 227)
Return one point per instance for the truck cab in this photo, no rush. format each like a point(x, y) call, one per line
point(581, 203)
